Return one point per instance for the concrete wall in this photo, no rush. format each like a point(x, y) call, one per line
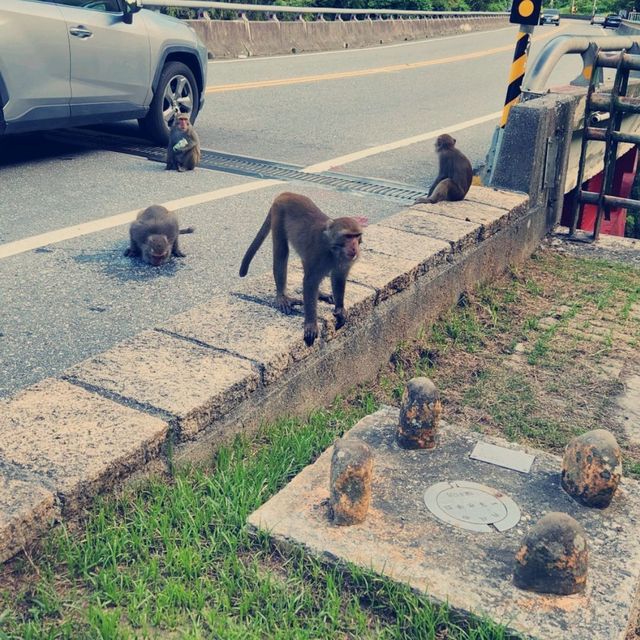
point(234, 38)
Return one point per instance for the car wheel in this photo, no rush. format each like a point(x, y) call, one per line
point(177, 91)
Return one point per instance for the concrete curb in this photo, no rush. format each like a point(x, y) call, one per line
point(183, 388)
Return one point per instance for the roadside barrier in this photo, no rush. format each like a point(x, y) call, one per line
point(232, 30)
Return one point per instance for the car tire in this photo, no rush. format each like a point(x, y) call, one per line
point(177, 89)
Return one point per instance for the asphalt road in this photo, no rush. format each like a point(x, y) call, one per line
point(61, 302)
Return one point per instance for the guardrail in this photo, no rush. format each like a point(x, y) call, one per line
point(536, 78)
point(202, 5)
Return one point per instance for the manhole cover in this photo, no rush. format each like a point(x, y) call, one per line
point(472, 506)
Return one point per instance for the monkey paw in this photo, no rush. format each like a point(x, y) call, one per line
point(286, 304)
point(340, 316)
point(326, 297)
point(310, 334)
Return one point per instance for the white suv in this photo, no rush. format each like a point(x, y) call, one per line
point(75, 62)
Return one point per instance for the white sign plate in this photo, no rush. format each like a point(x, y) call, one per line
point(503, 457)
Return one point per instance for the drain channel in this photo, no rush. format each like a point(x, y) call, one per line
point(250, 167)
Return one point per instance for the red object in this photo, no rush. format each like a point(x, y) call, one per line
point(621, 187)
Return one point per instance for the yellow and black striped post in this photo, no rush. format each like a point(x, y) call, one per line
point(518, 67)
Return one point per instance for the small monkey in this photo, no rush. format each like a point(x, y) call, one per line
point(454, 173)
point(154, 236)
point(183, 150)
point(325, 246)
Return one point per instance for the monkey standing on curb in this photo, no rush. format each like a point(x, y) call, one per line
point(154, 235)
point(454, 173)
point(183, 150)
point(325, 246)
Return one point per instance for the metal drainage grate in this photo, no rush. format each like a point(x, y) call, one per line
point(252, 167)
point(472, 506)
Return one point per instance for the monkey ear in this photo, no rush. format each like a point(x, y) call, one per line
point(363, 221)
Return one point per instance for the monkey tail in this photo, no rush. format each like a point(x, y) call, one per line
point(187, 230)
point(255, 245)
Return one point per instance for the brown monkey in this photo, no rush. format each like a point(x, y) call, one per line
point(183, 150)
point(325, 246)
point(454, 173)
point(154, 235)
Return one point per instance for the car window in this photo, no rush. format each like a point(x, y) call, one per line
point(94, 5)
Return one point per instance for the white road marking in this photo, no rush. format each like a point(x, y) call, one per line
point(398, 144)
point(77, 230)
point(51, 237)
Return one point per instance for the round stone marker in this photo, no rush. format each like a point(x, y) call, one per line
point(350, 481)
point(472, 506)
point(592, 468)
point(419, 415)
point(553, 557)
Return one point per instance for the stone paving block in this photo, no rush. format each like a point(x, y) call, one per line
point(27, 509)
point(425, 252)
point(514, 202)
point(76, 442)
point(359, 299)
point(457, 557)
point(458, 233)
point(192, 383)
point(628, 408)
point(386, 274)
point(491, 218)
point(254, 331)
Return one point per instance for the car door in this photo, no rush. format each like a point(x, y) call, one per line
point(34, 65)
point(110, 59)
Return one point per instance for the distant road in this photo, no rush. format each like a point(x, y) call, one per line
point(68, 292)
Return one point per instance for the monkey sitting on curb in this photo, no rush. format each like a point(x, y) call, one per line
point(183, 150)
point(325, 246)
point(154, 236)
point(454, 173)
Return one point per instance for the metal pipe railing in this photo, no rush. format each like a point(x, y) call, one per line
point(272, 8)
point(537, 76)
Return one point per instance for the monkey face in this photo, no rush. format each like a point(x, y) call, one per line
point(351, 248)
point(183, 124)
point(345, 235)
point(445, 141)
point(156, 250)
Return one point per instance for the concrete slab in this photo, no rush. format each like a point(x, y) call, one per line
point(74, 442)
point(491, 218)
point(512, 201)
point(471, 570)
point(386, 274)
point(458, 233)
point(628, 408)
point(253, 331)
point(393, 242)
point(27, 509)
point(359, 300)
point(192, 383)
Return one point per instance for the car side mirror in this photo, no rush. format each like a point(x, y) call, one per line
point(130, 7)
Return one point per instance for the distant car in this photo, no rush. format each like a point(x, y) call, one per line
point(612, 21)
point(550, 16)
point(598, 18)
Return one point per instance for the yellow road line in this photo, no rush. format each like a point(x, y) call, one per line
point(340, 75)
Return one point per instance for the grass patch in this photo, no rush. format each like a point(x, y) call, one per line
point(524, 358)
